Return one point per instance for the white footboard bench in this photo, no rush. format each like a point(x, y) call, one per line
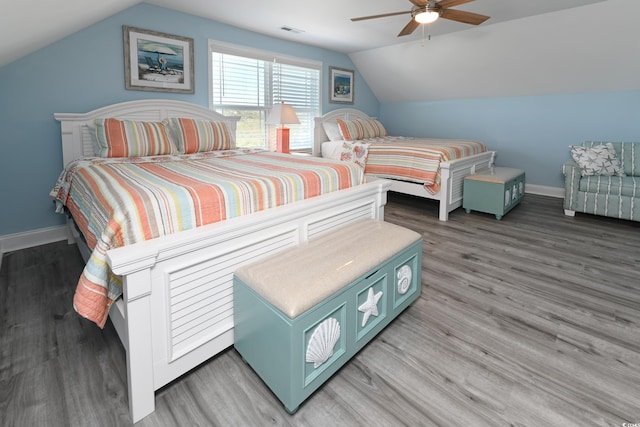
point(303, 313)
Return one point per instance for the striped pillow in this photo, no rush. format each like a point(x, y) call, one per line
point(375, 128)
point(353, 130)
point(197, 135)
point(129, 138)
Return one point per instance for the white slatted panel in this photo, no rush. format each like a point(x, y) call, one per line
point(364, 211)
point(202, 295)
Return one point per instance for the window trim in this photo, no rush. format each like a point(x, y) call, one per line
point(264, 55)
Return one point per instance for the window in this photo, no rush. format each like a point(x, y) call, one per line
point(247, 82)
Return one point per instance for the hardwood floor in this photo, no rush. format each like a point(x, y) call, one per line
point(533, 320)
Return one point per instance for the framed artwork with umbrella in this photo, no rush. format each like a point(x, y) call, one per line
point(157, 61)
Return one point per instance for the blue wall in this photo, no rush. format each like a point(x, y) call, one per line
point(532, 133)
point(85, 71)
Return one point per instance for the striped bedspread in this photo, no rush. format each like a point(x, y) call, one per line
point(117, 202)
point(416, 159)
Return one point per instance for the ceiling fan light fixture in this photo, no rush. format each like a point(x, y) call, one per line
point(426, 15)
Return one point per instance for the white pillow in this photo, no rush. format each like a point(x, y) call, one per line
point(597, 160)
point(332, 149)
point(332, 130)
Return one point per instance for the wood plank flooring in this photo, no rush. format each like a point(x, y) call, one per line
point(533, 320)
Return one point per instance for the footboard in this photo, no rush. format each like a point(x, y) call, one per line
point(177, 308)
point(452, 179)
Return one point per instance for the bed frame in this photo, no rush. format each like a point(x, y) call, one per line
point(177, 308)
point(452, 172)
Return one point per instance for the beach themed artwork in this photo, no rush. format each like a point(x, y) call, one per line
point(157, 61)
point(340, 85)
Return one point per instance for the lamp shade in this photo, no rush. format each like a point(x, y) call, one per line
point(282, 114)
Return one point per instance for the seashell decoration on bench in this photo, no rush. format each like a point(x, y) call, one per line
point(322, 342)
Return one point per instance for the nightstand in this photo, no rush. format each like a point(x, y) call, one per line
point(494, 190)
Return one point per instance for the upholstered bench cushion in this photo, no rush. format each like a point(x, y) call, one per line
point(614, 185)
point(330, 263)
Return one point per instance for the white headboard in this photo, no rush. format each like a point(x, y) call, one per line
point(320, 136)
point(77, 138)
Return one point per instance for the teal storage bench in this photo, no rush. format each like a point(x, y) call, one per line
point(301, 314)
point(494, 190)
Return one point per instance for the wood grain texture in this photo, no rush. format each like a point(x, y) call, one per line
point(533, 320)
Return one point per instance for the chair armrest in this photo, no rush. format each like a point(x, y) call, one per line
point(568, 166)
point(572, 175)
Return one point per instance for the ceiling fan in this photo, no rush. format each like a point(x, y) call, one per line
point(427, 11)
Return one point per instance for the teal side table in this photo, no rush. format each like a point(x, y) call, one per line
point(495, 191)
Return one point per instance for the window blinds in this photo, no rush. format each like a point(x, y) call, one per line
point(249, 82)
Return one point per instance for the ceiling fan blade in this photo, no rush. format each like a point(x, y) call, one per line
point(464, 17)
point(451, 3)
point(422, 3)
point(362, 18)
point(409, 28)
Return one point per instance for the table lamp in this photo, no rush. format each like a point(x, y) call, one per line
point(282, 114)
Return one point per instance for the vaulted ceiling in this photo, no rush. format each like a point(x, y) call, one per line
point(527, 47)
point(29, 25)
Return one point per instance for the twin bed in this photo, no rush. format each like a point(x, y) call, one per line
point(175, 272)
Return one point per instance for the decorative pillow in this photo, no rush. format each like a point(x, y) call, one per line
point(355, 152)
point(129, 138)
point(197, 135)
point(353, 130)
point(597, 160)
point(332, 131)
point(376, 129)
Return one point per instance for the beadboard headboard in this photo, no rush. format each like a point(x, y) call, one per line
point(320, 136)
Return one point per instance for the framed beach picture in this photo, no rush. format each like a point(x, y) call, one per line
point(157, 61)
point(340, 85)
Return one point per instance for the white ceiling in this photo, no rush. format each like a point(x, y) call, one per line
point(326, 24)
point(568, 51)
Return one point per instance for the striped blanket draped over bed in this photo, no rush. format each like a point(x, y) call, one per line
point(416, 159)
point(117, 202)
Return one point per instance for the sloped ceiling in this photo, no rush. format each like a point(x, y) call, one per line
point(593, 48)
point(527, 47)
point(28, 25)
point(327, 23)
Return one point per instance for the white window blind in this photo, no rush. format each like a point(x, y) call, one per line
point(248, 82)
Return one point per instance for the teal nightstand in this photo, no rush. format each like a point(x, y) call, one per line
point(494, 190)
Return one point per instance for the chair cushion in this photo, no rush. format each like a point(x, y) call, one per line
point(615, 185)
point(298, 278)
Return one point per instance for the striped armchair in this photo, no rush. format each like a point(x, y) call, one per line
point(613, 196)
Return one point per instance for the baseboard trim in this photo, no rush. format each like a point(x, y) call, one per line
point(543, 190)
point(28, 239)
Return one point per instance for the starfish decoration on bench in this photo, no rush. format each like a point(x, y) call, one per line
point(370, 306)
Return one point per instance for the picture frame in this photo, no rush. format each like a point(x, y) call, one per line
point(157, 61)
point(341, 85)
